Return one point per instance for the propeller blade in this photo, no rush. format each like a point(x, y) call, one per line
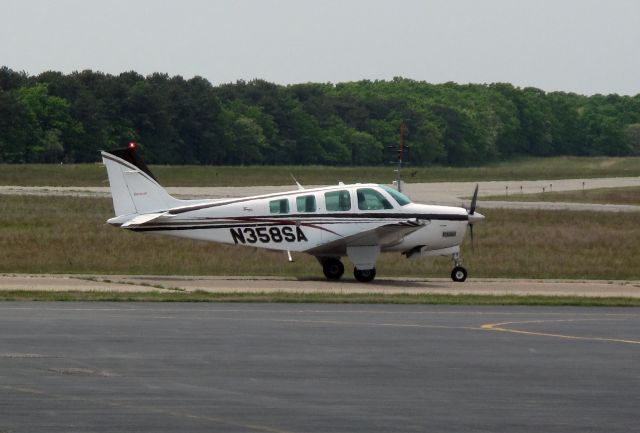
point(471, 233)
point(472, 210)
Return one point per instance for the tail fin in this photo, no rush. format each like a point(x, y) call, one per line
point(134, 188)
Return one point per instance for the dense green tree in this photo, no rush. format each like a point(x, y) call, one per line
point(47, 124)
point(14, 129)
point(632, 138)
point(10, 80)
point(365, 149)
point(250, 142)
point(55, 117)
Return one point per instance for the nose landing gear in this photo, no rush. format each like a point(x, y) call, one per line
point(459, 273)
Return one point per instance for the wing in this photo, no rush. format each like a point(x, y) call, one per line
point(383, 236)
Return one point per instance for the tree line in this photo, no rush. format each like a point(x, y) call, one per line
point(54, 117)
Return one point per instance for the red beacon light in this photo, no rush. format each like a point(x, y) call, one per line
point(132, 145)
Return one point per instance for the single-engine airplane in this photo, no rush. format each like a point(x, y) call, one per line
point(358, 221)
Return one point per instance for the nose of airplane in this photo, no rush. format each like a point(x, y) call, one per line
point(475, 217)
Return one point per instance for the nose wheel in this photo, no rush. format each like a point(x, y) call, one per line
point(459, 273)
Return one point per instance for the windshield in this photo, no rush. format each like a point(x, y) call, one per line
point(398, 196)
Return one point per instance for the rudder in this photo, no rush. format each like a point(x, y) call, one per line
point(134, 189)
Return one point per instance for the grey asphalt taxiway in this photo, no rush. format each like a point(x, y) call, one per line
point(229, 284)
point(179, 367)
point(443, 193)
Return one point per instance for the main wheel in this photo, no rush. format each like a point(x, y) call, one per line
point(459, 274)
point(364, 275)
point(333, 268)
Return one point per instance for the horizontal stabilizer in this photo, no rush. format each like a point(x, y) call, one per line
point(141, 219)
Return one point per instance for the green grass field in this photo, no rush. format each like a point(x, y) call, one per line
point(69, 235)
point(519, 169)
point(324, 298)
point(626, 195)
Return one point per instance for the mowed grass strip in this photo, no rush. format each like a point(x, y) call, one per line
point(193, 176)
point(624, 195)
point(69, 235)
point(324, 298)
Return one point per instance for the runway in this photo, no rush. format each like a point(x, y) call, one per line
point(136, 367)
point(478, 286)
point(444, 193)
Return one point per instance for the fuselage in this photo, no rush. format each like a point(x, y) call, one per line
point(305, 219)
point(358, 221)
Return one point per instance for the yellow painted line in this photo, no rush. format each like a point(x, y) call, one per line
point(178, 414)
point(323, 322)
point(500, 327)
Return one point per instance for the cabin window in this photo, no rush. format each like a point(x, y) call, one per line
point(370, 199)
point(279, 206)
point(398, 196)
point(306, 203)
point(337, 200)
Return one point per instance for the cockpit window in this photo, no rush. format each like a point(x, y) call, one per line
point(337, 200)
point(370, 199)
point(397, 196)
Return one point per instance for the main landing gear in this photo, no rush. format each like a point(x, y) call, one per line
point(364, 275)
point(333, 268)
point(459, 273)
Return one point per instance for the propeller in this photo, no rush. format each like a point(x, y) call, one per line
point(473, 201)
point(473, 217)
point(471, 233)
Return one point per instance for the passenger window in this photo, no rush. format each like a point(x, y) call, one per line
point(279, 206)
point(370, 199)
point(306, 203)
point(337, 200)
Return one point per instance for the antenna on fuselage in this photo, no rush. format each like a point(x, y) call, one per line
point(296, 181)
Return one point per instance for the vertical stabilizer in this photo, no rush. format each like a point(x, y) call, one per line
point(134, 189)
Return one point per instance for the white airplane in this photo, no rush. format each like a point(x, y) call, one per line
point(358, 221)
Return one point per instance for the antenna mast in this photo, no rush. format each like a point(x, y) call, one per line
point(400, 150)
point(400, 156)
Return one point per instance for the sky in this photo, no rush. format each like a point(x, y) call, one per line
point(582, 46)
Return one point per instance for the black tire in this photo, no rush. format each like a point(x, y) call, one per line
point(364, 276)
point(459, 274)
point(333, 269)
